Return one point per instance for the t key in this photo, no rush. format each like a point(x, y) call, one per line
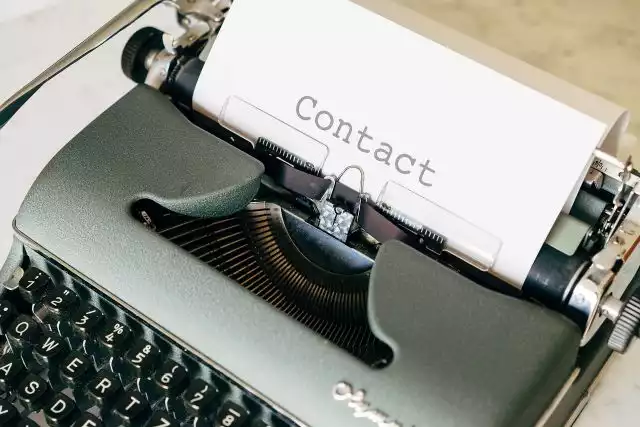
point(33, 284)
point(131, 408)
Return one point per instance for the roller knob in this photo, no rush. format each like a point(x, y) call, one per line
point(135, 52)
point(627, 325)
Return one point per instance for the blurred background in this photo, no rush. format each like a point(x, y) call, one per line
point(594, 44)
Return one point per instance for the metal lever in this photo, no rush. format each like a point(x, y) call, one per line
point(121, 21)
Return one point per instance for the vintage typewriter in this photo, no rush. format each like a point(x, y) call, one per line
point(168, 272)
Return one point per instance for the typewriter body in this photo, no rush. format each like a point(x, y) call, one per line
point(203, 279)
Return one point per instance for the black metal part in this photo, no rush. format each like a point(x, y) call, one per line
point(550, 276)
point(182, 79)
point(588, 207)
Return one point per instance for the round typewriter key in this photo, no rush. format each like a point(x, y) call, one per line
point(27, 422)
point(131, 408)
point(113, 337)
point(33, 284)
point(8, 413)
point(200, 397)
point(7, 313)
point(87, 420)
point(12, 371)
point(86, 320)
point(141, 359)
point(232, 415)
point(75, 369)
point(162, 419)
point(50, 350)
point(60, 410)
point(24, 332)
point(33, 391)
point(56, 305)
point(103, 389)
point(171, 378)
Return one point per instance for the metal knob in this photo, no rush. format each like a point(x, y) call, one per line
point(627, 324)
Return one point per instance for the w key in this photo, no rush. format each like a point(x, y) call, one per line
point(50, 351)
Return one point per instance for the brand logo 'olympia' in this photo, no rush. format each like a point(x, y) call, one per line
point(361, 409)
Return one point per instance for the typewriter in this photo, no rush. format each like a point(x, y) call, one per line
point(168, 272)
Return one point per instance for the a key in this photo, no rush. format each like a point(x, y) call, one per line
point(7, 313)
point(50, 351)
point(171, 378)
point(23, 332)
point(33, 284)
point(12, 371)
point(56, 305)
point(231, 415)
point(75, 369)
point(33, 391)
point(113, 336)
point(8, 413)
point(131, 408)
point(141, 359)
point(27, 422)
point(260, 423)
point(162, 419)
point(86, 321)
point(60, 411)
point(103, 389)
point(88, 420)
point(200, 397)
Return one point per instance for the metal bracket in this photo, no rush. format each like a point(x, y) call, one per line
point(607, 277)
point(210, 12)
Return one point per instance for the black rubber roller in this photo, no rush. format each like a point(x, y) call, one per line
point(550, 276)
point(141, 43)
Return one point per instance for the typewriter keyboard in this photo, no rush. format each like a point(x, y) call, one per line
point(72, 357)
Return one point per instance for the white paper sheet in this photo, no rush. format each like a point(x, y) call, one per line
point(477, 144)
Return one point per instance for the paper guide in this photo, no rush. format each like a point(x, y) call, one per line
point(339, 84)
